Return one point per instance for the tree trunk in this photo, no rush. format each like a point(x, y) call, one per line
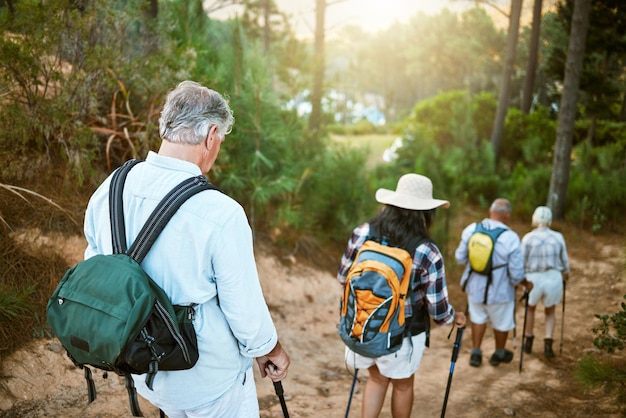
point(11, 7)
point(533, 53)
point(266, 29)
point(151, 8)
point(315, 119)
point(559, 180)
point(507, 71)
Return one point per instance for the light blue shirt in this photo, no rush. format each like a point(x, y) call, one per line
point(507, 251)
point(205, 253)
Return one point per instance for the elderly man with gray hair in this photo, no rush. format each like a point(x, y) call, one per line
point(203, 258)
point(547, 265)
point(491, 296)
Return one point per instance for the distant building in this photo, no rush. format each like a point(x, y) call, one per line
point(344, 109)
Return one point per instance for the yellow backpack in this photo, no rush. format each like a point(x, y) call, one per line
point(480, 247)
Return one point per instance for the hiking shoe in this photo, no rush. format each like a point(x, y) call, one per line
point(547, 352)
point(476, 360)
point(495, 360)
point(528, 344)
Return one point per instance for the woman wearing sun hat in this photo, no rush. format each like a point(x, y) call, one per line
point(407, 213)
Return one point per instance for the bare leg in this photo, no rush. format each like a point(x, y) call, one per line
point(500, 337)
point(478, 332)
point(374, 393)
point(550, 319)
point(402, 397)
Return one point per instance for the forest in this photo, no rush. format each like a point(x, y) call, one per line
point(534, 111)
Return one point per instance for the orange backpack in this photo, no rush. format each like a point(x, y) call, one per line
point(372, 316)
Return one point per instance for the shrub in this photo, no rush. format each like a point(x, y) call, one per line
point(610, 336)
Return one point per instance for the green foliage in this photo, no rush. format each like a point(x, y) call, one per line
point(610, 336)
point(62, 69)
point(362, 127)
point(409, 62)
point(596, 373)
point(527, 187)
point(442, 141)
point(337, 195)
point(601, 83)
point(14, 303)
point(611, 333)
point(27, 279)
point(596, 192)
point(529, 138)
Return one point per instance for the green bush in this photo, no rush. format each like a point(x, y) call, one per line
point(528, 138)
point(81, 84)
point(596, 193)
point(596, 372)
point(442, 141)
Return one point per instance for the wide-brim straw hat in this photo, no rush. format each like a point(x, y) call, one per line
point(414, 192)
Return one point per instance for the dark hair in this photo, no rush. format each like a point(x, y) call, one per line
point(400, 226)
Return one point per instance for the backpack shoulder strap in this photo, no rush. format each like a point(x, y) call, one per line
point(416, 242)
point(116, 206)
point(493, 233)
point(374, 234)
point(159, 217)
point(163, 213)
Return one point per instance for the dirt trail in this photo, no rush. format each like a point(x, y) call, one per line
point(38, 381)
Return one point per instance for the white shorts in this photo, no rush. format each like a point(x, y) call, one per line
point(399, 365)
point(240, 401)
point(500, 315)
point(547, 288)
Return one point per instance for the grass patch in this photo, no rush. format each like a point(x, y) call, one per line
point(374, 144)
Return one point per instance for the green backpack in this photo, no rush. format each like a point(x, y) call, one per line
point(109, 314)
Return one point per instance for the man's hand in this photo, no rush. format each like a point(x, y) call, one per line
point(274, 364)
point(527, 284)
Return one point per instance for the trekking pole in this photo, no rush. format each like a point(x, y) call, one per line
point(562, 320)
point(521, 356)
point(278, 387)
point(455, 355)
point(356, 371)
point(515, 326)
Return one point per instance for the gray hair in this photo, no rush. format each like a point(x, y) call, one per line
point(189, 112)
point(542, 217)
point(501, 205)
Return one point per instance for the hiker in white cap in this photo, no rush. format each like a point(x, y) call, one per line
point(492, 300)
point(407, 213)
point(547, 265)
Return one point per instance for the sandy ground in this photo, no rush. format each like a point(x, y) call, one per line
point(39, 381)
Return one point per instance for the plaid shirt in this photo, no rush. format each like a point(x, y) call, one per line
point(544, 249)
point(428, 278)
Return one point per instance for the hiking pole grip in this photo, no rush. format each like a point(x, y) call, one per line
point(457, 345)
